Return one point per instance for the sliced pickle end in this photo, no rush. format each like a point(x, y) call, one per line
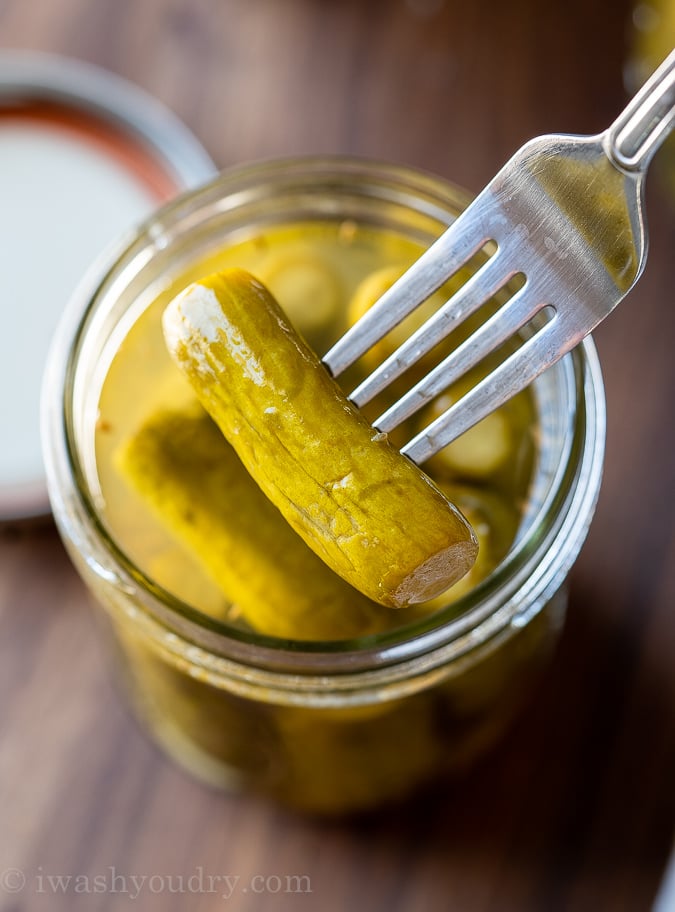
point(495, 521)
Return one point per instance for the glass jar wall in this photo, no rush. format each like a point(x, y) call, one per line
point(324, 724)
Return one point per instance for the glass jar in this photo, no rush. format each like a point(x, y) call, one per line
point(327, 727)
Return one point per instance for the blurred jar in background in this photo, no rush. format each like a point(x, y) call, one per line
point(652, 39)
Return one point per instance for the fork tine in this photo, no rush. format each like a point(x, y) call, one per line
point(462, 240)
point(513, 374)
point(478, 289)
point(489, 336)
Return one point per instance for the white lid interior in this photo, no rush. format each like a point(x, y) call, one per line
point(65, 196)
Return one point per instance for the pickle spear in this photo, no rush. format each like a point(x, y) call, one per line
point(366, 510)
point(186, 472)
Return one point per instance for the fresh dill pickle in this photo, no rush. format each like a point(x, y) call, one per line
point(368, 512)
point(192, 479)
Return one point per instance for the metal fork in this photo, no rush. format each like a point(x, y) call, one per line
point(566, 214)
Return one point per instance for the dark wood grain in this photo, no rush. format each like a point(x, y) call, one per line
point(575, 811)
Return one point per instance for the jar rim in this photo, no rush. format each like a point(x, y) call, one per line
point(488, 609)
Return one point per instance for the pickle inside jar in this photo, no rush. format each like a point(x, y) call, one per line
point(126, 406)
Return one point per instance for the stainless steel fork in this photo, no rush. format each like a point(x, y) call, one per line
point(566, 214)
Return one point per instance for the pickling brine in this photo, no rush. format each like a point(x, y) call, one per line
point(187, 510)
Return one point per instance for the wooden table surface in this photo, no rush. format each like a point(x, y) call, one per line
point(575, 810)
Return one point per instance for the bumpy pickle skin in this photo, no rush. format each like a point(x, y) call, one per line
point(187, 473)
point(368, 512)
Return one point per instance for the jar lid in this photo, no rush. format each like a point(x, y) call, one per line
point(84, 156)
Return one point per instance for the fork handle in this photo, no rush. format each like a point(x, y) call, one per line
point(646, 120)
